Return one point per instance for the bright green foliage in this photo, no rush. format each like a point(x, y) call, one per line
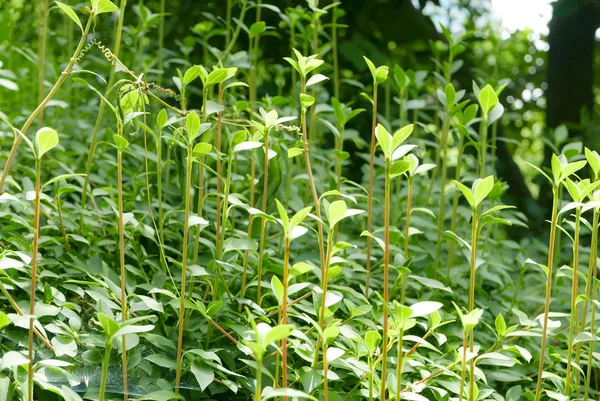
point(218, 245)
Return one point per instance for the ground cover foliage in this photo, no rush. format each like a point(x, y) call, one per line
point(198, 235)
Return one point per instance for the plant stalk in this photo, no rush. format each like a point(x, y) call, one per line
point(554, 223)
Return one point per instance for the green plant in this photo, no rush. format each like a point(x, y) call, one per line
point(379, 75)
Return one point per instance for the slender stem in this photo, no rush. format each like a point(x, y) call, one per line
point(225, 204)
point(406, 234)
point(386, 274)
point(400, 363)
point(594, 269)
point(370, 195)
point(553, 224)
point(250, 220)
point(334, 45)
point(188, 186)
point(457, 175)
point(441, 215)
point(161, 38)
point(42, 26)
point(34, 265)
point(311, 179)
point(122, 261)
point(483, 150)
point(258, 395)
point(105, 365)
point(324, 280)
point(101, 106)
point(62, 224)
point(574, 293)
point(474, 235)
point(42, 105)
point(463, 370)
point(284, 308)
point(263, 224)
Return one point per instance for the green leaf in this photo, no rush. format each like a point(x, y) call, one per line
point(132, 329)
point(192, 124)
point(293, 152)
point(162, 118)
point(557, 167)
point(120, 142)
point(337, 211)
point(401, 135)
point(203, 373)
point(593, 159)
point(488, 99)
point(61, 178)
point(4, 320)
point(466, 193)
point(277, 287)
point(299, 217)
point(11, 359)
point(217, 76)
point(483, 187)
point(471, 319)
point(201, 149)
point(300, 268)
point(399, 167)
point(104, 6)
point(306, 101)
point(161, 395)
point(45, 139)
point(191, 73)
point(381, 74)
point(372, 339)
point(315, 79)
point(450, 94)
point(69, 395)
point(384, 139)
point(372, 68)
point(70, 13)
point(278, 333)
point(283, 216)
point(257, 28)
point(269, 393)
point(500, 325)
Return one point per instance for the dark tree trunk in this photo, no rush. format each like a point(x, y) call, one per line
point(570, 72)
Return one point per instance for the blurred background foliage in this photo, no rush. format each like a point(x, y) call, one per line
point(552, 91)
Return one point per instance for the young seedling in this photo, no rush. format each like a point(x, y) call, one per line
point(475, 196)
point(491, 110)
point(561, 169)
point(305, 65)
point(464, 117)
point(403, 323)
point(447, 98)
point(579, 192)
point(336, 212)
point(591, 283)
point(112, 331)
point(389, 144)
point(414, 169)
point(194, 130)
point(379, 75)
point(262, 336)
point(46, 139)
point(291, 230)
point(271, 120)
point(469, 321)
